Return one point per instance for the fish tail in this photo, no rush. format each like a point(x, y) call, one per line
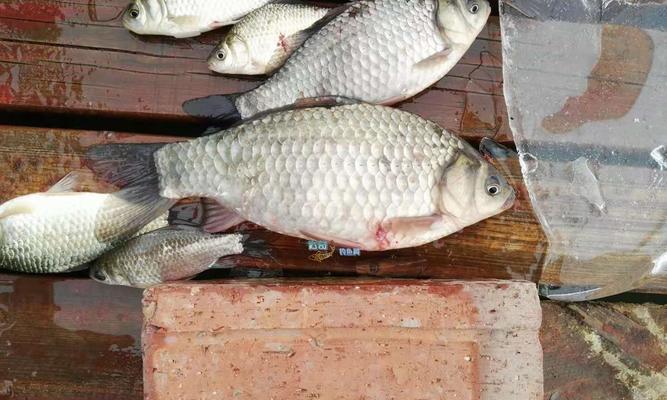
point(132, 168)
point(219, 111)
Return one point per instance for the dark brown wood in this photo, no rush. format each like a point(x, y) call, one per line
point(604, 351)
point(74, 57)
point(511, 245)
point(69, 339)
point(64, 339)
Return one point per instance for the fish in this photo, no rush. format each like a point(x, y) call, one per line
point(164, 255)
point(358, 175)
point(262, 41)
point(374, 51)
point(60, 230)
point(185, 18)
point(160, 222)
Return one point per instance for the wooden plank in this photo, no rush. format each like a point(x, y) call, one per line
point(604, 351)
point(507, 246)
point(511, 245)
point(63, 339)
point(74, 57)
point(68, 339)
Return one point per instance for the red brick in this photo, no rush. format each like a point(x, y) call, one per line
point(346, 339)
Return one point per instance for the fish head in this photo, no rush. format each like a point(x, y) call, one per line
point(471, 189)
point(232, 56)
point(462, 20)
point(144, 17)
point(110, 276)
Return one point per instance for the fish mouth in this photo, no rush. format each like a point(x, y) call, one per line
point(509, 202)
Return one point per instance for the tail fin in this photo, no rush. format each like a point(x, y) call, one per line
point(219, 110)
point(132, 167)
point(256, 248)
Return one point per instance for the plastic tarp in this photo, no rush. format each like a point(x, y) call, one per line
point(586, 88)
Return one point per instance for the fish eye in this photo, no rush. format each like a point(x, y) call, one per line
point(474, 8)
point(493, 187)
point(220, 55)
point(134, 13)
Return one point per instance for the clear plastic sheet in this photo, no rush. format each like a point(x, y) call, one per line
point(585, 84)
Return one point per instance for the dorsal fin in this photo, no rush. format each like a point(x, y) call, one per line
point(311, 102)
point(300, 104)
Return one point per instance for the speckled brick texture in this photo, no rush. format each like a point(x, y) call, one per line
point(343, 339)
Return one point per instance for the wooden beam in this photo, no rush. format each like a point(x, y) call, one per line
point(604, 351)
point(511, 245)
point(74, 57)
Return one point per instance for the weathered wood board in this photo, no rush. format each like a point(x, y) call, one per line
point(604, 351)
point(510, 245)
point(74, 57)
point(63, 339)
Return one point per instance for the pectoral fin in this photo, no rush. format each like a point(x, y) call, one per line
point(190, 26)
point(433, 60)
point(391, 233)
point(284, 48)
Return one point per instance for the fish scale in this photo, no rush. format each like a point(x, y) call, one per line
point(341, 170)
point(355, 56)
point(213, 9)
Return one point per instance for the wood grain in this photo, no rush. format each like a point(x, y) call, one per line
point(73, 57)
point(604, 351)
point(68, 339)
point(511, 245)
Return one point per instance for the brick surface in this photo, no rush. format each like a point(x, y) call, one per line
point(342, 339)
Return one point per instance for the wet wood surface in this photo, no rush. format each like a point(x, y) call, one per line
point(511, 245)
point(604, 351)
point(64, 339)
point(74, 57)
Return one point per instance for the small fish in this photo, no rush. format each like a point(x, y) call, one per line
point(167, 254)
point(262, 41)
point(59, 230)
point(375, 51)
point(185, 18)
point(360, 176)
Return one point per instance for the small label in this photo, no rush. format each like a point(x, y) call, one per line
point(349, 252)
point(318, 245)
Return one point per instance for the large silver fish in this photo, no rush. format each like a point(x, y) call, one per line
point(364, 176)
point(262, 41)
point(376, 51)
point(59, 230)
point(164, 255)
point(184, 18)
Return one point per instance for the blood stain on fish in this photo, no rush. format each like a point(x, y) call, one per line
point(282, 42)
